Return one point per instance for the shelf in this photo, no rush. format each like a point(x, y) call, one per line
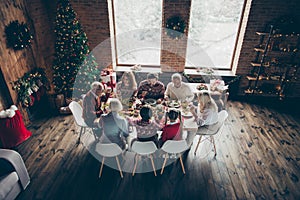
point(255, 64)
point(261, 93)
point(261, 33)
point(259, 49)
point(263, 78)
point(279, 34)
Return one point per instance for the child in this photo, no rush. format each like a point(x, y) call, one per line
point(172, 130)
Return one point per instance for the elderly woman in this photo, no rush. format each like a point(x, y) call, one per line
point(114, 127)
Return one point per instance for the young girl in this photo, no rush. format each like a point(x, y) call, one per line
point(172, 130)
point(206, 113)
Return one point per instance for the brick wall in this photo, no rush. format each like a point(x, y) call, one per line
point(261, 14)
point(14, 63)
point(174, 50)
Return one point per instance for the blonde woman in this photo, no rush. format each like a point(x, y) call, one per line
point(206, 112)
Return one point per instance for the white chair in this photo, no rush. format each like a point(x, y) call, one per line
point(212, 130)
point(76, 110)
point(143, 149)
point(174, 147)
point(108, 151)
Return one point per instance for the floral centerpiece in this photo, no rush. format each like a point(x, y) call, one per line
point(202, 86)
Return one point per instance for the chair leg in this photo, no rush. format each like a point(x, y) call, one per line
point(101, 168)
point(153, 166)
point(213, 141)
point(82, 130)
point(198, 144)
point(182, 166)
point(118, 163)
point(164, 164)
point(135, 164)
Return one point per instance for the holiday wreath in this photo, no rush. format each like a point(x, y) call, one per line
point(18, 35)
point(175, 27)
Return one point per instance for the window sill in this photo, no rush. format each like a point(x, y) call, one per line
point(186, 71)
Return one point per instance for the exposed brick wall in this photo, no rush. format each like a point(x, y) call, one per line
point(174, 50)
point(93, 16)
point(14, 63)
point(261, 14)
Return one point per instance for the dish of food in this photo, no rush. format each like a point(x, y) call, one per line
point(151, 102)
point(173, 104)
point(186, 114)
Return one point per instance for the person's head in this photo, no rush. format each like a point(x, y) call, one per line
point(205, 100)
point(204, 97)
point(115, 105)
point(176, 80)
point(128, 79)
point(173, 115)
point(146, 113)
point(152, 78)
point(97, 88)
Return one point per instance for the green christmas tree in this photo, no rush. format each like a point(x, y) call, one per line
point(71, 53)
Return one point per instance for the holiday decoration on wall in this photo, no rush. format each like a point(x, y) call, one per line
point(72, 54)
point(18, 35)
point(30, 84)
point(175, 27)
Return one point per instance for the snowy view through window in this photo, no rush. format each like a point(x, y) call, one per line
point(211, 37)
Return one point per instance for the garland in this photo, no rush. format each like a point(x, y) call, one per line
point(18, 35)
point(29, 83)
point(175, 27)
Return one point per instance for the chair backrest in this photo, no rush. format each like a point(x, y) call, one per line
point(144, 148)
point(174, 146)
point(108, 150)
point(222, 116)
point(76, 110)
point(215, 128)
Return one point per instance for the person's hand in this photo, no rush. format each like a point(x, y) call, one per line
point(144, 93)
point(166, 98)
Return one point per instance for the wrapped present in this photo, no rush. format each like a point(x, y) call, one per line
point(218, 85)
point(108, 77)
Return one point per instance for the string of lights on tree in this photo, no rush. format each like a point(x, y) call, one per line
point(71, 50)
point(18, 35)
point(30, 83)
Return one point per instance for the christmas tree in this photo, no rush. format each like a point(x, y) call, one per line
point(71, 53)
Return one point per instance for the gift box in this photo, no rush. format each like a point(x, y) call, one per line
point(108, 77)
point(218, 85)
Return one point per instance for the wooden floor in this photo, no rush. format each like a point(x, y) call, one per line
point(258, 157)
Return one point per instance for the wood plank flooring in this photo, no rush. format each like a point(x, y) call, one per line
point(258, 157)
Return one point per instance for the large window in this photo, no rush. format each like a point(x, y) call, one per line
point(137, 26)
point(212, 32)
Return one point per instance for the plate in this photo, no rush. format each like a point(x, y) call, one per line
point(152, 102)
point(187, 115)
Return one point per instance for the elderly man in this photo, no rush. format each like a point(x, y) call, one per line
point(178, 90)
point(92, 103)
point(151, 88)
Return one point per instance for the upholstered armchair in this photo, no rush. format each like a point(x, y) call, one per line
point(14, 177)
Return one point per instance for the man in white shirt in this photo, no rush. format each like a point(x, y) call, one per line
point(178, 90)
